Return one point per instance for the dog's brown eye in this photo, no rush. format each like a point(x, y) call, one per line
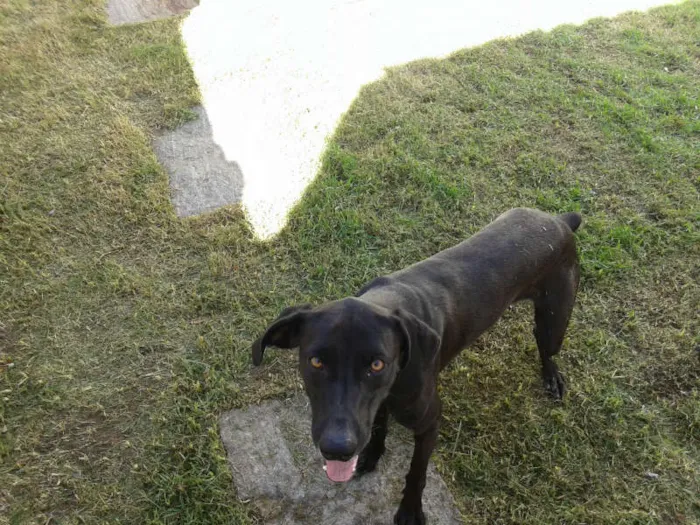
point(316, 362)
point(377, 365)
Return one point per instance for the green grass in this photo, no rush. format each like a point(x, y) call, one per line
point(125, 331)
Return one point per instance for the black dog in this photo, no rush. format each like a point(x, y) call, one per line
point(380, 352)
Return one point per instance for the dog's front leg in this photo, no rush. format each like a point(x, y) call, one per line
point(375, 448)
point(411, 508)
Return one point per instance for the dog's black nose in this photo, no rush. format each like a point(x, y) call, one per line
point(338, 444)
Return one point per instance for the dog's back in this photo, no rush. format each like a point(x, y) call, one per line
point(461, 291)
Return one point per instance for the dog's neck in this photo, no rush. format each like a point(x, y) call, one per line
point(382, 296)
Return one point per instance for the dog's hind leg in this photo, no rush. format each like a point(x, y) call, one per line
point(553, 306)
point(369, 457)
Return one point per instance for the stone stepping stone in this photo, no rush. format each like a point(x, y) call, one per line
point(134, 11)
point(201, 179)
point(276, 467)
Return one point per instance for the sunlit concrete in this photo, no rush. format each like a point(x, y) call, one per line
point(276, 75)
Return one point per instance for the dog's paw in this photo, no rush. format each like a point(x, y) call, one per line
point(409, 517)
point(368, 460)
point(554, 385)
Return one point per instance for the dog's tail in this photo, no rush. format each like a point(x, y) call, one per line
point(572, 220)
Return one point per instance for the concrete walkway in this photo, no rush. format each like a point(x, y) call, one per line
point(201, 179)
point(135, 11)
point(276, 76)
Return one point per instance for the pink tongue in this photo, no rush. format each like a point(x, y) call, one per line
point(341, 471)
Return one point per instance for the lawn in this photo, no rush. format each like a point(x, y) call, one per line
point(125, 331)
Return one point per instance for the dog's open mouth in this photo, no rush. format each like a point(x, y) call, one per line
point(340, 471)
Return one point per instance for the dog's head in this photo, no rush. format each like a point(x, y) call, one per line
point(350, 354)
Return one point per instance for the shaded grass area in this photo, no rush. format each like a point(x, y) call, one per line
point(125, 331)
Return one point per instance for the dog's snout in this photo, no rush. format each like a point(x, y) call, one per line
point(338, 443)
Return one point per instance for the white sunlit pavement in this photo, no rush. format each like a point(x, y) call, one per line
point(276, 76)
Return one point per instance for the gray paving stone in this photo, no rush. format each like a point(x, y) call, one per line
point(201, 179)
point(135, 11)
point(275, 466)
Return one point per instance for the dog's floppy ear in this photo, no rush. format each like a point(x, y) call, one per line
point(418, 340)
point(283, 332)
